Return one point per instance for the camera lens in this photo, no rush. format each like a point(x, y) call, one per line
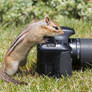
point(75, 48)
point(81, 50)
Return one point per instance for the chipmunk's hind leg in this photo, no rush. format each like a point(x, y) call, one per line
point(23, 62)
point(8, 79)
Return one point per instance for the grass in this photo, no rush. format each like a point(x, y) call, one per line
point(79, 82)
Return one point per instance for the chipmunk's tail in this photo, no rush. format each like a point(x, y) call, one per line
point(8, 79)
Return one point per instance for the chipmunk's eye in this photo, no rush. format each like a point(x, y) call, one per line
point(55, 27)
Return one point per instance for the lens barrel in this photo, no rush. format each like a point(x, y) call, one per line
point(81, 50)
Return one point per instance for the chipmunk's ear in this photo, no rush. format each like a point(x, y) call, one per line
point(47, 20)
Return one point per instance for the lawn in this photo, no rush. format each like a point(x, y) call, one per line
point(79, 82)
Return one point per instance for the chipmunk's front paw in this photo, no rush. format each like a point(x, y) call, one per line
point(44, 41)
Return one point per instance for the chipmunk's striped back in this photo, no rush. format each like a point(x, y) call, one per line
point(17, 41)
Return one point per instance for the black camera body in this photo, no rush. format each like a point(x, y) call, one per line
point(58, 56)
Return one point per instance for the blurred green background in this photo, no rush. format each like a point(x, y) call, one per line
point(23, 11)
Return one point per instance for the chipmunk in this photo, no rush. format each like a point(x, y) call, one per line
point(17, 53)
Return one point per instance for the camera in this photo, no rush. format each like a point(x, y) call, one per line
point(61, 54)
